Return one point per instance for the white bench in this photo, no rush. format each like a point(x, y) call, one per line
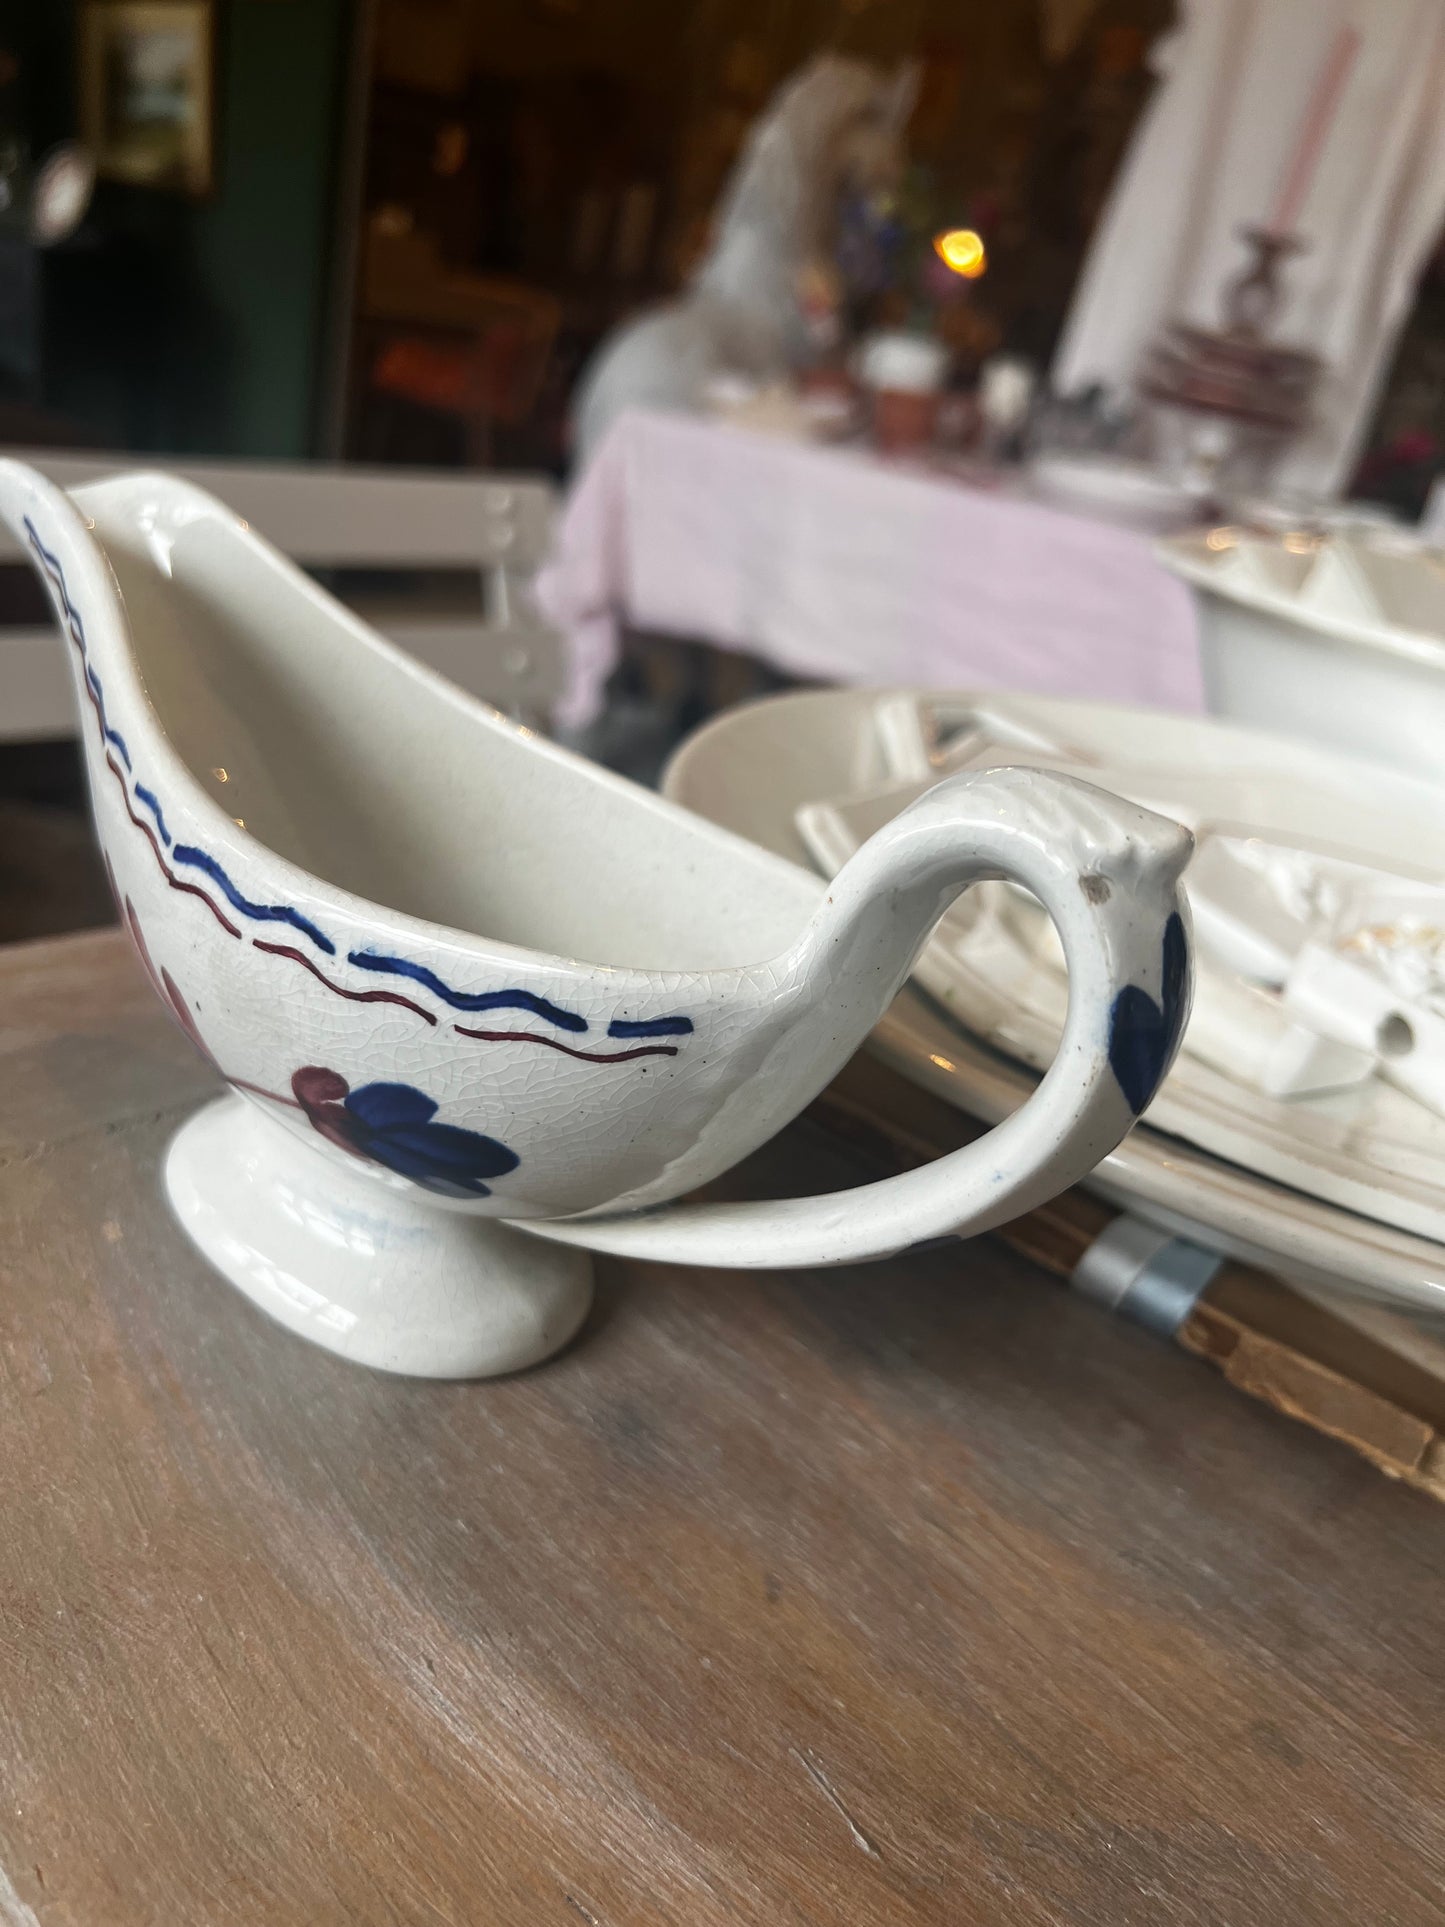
point(326, 516)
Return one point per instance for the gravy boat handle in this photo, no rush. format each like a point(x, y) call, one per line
point(1108, 873)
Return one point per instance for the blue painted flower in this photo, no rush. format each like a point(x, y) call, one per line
point(392, 1124)
point(1143, 1035)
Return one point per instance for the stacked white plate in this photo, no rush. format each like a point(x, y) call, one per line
point(1340, 1188)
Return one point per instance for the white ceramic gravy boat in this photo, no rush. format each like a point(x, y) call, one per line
point(305, 828)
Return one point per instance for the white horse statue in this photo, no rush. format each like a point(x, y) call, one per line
point(835, 127)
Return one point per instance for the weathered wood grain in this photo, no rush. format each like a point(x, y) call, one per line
point(913, 1594)
point(1366, 1375)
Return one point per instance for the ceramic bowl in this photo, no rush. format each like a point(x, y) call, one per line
point(1337, 638)
point(461, 983)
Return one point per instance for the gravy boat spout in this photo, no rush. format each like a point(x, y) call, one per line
point(482, 1005)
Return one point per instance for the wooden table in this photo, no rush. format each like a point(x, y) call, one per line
point(916, 1593)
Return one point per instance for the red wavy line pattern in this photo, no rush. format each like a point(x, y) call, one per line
point(340, 990)
point(352, 996)
point(554, 1043)
point(191, 889)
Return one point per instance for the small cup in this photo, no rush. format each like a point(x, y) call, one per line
point(905, 374)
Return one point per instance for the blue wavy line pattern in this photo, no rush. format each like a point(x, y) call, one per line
point(466, 1000)
point(110, 735)
point(53, 569)
point(152, 803)
point(258, 912)
point(199, 859)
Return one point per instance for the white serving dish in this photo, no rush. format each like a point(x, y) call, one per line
point(466, 987)
point(1336, 638)
point(754, 768)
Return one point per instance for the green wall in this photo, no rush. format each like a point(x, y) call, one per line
point(262, 245)
point(197, 326)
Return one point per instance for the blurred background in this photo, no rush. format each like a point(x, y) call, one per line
point(564, 156)
point(267, 237)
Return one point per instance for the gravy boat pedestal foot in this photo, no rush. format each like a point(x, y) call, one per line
point(380, 1278)
point(466, 987)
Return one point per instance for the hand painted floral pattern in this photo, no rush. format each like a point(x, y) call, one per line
point(389, 1124)
point(395, 1125)
point(162, 982)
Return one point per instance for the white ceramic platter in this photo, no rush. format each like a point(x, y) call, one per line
point(753, 769)
point(1370, 1149)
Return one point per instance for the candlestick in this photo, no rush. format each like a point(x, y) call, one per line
point(1314, 130)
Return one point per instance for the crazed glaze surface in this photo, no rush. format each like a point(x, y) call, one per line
point(483, 1077)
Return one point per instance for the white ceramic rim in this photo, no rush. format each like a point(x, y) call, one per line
point(1180, 555)
point(1160, 1178)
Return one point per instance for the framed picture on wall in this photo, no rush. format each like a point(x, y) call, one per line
point(148, 91)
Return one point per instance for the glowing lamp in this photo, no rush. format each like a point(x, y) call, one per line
point(962, 251)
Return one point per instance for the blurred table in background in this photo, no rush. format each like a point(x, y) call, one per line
point(832, 564)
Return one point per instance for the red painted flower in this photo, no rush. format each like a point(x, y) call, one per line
point(389, 1124)
point(164, 985)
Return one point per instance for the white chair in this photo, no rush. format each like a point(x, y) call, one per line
point(494, 644)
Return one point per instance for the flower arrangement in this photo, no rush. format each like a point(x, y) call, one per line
point(905, 262)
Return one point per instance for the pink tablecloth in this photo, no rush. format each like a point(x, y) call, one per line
point(833, 564)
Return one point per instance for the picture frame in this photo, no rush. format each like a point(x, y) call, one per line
point(147, 74)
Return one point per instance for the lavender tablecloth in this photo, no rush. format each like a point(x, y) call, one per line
point(833, 564)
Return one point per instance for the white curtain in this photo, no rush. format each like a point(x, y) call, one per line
point(1235, 79)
